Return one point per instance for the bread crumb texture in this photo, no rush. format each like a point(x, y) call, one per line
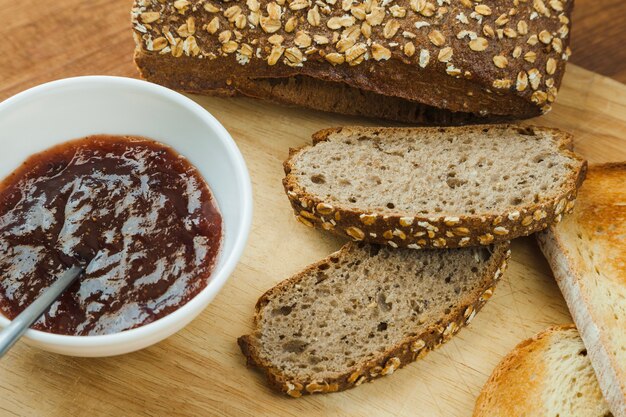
point(438, 173)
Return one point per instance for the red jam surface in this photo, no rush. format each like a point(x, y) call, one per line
point(142, 212)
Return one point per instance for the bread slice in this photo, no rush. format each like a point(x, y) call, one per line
point(547, 375)
point(434, 187)
point(365, 311)
point(587, 253)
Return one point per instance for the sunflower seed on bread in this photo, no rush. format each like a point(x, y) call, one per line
point(547, 375)
point(587, 253)
point(434, 187)
point(365, 311)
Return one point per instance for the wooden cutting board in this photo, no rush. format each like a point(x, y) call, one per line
point(200, 371)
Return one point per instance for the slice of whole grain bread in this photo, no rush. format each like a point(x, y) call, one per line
point(434, 187)
point(547, 375)
point(587, 253)
point(365, 311)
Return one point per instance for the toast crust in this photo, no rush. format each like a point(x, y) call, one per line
point(385, 363)
point(417, 232)
point(506, 391)
point(601, 205)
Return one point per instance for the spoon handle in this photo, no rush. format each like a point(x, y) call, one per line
point(26, 318)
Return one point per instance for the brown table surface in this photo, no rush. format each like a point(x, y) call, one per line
point(47, 40)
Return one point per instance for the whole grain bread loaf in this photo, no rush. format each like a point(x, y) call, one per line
point(474, 59)
point(434, 187)
point(365, 311)
point(587, 253)
point(547, 375)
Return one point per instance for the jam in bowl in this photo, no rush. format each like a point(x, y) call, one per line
point(162, 221)
point(140, 213)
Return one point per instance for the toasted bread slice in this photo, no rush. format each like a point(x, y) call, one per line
point(365, 311)
point(587, 253)
point(547, 375)
point(434, 187)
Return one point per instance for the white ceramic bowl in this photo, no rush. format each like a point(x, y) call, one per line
point(62, 110)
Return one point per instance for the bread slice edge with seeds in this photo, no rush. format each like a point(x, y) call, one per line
point(385, 363)
point(461, 230)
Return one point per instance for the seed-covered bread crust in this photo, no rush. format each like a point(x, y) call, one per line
point(384, 363)
point(485, 58)
point(420, 231)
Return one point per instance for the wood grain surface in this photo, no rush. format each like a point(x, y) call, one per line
point(200, 371)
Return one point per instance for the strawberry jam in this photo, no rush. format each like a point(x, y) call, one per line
point(140, 213)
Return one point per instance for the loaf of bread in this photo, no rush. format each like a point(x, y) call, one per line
point(365, 311)
point(547, 375)
point(434, 187)
point(418, 61)
point(587, 253)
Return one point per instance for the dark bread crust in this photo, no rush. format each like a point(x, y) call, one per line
point(337, 97)
point(409, 230)
point(225, 77)
point(410, 349)
point(469, 82)
point(301, 90)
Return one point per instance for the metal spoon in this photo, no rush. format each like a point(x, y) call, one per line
point(26, 318)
